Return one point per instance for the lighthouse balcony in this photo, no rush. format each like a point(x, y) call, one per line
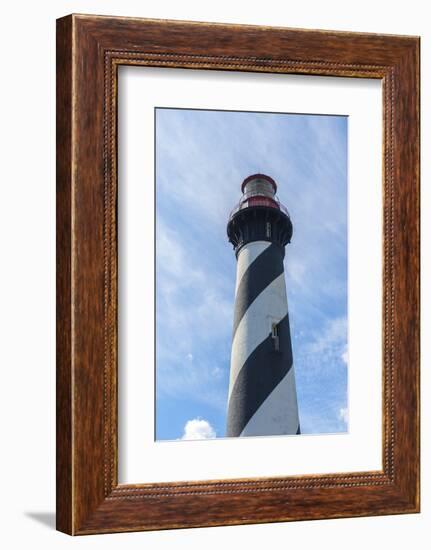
point(259, 222)
point(250, 200)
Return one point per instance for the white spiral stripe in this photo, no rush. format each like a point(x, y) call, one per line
point(255, 326)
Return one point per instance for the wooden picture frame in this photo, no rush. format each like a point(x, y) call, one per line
point(89, 51)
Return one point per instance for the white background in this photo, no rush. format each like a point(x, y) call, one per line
point(141, 458)
point(27, 273)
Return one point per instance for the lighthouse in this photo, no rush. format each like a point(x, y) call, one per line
point(262, 396)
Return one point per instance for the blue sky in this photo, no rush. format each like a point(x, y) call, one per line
point(202, 158)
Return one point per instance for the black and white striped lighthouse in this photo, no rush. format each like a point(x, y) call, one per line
point(262, 393)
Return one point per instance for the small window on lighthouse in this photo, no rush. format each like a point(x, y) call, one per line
point(268, 230)
point(275, 336)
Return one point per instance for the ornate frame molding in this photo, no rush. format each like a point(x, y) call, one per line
point(90, 49)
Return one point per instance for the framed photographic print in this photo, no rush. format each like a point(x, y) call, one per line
point(237, 274)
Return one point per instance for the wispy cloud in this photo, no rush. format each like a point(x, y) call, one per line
point(325, 345)
point(331, 339)
point(344, 414)
point(322, 375)
point(194, 317)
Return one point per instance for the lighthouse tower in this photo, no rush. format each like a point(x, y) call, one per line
point(262, 394)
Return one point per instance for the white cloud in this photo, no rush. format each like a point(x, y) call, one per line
point(344, 414)
point(198, 428)
point(345, 356)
